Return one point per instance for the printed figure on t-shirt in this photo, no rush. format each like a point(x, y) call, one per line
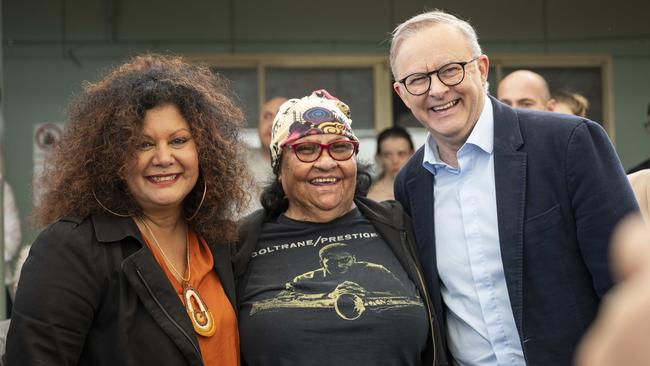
point(343, 283)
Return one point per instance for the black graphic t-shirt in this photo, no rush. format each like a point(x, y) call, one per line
point(329, 294)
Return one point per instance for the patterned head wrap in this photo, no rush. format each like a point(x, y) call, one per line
point(319, 113)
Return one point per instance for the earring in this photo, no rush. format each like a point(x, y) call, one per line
point(106, 208)
point(205, 189)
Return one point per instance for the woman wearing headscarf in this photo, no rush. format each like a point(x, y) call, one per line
point(325, 275)
point(133, 267)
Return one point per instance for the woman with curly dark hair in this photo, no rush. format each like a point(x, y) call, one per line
point(139, 198)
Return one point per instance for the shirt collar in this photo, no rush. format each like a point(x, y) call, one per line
point(482, 136)
point(110, 228)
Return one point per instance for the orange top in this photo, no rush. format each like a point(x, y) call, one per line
point(222, 348)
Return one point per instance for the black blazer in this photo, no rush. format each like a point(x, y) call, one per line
point(92, 293)
point(560, 190)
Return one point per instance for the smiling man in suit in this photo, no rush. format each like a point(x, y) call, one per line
point(512, 209)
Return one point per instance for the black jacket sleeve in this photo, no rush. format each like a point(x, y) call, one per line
point(58, 295)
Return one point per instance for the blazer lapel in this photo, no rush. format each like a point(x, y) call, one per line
point(162, 302)
point(420, 186)
point(150, 283)
point(223, 266)
point(510, 182)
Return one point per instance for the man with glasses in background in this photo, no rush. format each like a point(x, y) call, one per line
point(512, 209)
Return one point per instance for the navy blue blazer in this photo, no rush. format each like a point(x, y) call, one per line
point(560, 190)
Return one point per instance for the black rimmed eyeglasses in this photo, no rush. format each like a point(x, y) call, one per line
point(308, 152)
point(450, 74)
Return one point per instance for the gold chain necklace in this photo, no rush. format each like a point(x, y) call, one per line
point(168, 262)
point(201, 317)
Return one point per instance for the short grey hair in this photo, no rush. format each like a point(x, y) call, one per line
point(425, 20)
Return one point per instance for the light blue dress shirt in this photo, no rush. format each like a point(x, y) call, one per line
point(481, 326)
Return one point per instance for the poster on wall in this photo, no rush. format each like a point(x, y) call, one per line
point(46, 136)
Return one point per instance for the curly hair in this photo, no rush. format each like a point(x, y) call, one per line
point(99, 145)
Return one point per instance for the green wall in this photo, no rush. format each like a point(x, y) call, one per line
point(632, 97)
point(50, 47)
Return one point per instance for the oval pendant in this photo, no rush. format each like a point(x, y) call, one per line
point(201, 317)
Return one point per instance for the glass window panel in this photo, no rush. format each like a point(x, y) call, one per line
point(351, 85)
point(402, 116)
point(244, 85)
